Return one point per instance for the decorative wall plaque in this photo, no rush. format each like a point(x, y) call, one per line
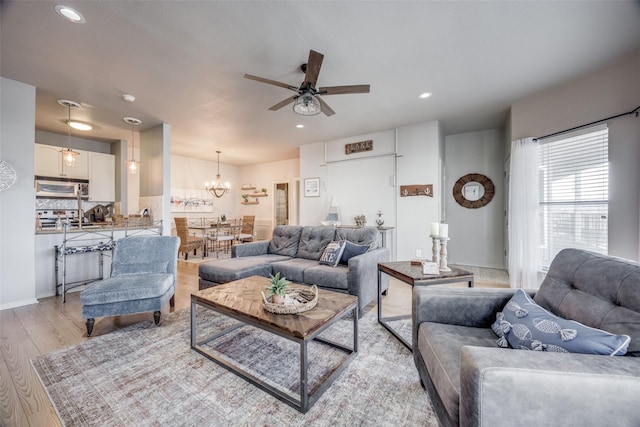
point(358, 147)
point(416, 190)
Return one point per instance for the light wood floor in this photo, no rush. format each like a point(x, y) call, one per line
point(29, 331)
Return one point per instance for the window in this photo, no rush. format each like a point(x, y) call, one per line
point(574, 183)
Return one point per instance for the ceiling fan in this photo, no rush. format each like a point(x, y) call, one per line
point(306, 101)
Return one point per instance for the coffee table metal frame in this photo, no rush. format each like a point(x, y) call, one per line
point(412, 275)
point(306, 399)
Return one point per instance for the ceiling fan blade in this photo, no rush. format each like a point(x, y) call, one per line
point(271, 82)
point(325, 107)
point(339, 90)
point(287, 101)
point(313, 67)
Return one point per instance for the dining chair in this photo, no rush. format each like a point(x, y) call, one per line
point(222, 237)
point(187, 242)
point(246, 231)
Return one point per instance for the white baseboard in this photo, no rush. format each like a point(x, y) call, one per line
point(15, 304)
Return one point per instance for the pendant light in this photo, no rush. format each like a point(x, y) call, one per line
point(132, 164)
point(68, 155)
point(217, 188)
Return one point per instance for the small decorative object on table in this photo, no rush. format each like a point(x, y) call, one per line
point(379, 220)
point(287, 300)
point(360, 220)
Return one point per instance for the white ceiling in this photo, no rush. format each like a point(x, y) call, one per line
point(184, 62)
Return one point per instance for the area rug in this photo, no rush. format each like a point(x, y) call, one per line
point(145, 375)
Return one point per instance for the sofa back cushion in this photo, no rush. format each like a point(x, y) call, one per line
point(596, 290)
point(314, 240)
point(285, 240)
point(360, 236)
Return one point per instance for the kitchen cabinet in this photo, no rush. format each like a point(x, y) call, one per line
point(102, 177)
point(48, 162)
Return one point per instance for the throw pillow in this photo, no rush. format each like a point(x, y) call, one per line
point(525, 325)
point(351, 250)
point(332, 253)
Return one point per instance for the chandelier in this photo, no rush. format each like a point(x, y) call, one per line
point(132, 164)
point(68, 155)
point(217, 188)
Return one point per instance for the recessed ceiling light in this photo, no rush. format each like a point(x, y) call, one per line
point(425, 95)
point(80, 125)
point(70, 14)
point(300, 126)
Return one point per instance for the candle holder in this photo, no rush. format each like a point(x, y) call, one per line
point(443, 254)
point(435, 250)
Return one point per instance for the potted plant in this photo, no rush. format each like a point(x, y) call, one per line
point(264, 190)
point(245, 197)
point(223, 218)
point(277, 288)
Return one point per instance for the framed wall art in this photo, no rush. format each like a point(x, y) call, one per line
point(312, 187)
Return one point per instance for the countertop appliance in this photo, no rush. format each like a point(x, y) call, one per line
point(61, 188)
point(47, 218)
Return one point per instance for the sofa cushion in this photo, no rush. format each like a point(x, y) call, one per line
point(327, 277)
point(285, 240)
point(526, 325)
point(351, 250)
point(440, 344)
point(608, 286)
point(127, 288)
point(332, 253)
point(293, 269)
point(314, 240)
point(362, 236)
point(227, 270)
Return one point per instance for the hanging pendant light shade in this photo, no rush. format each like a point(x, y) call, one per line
point(68, 155)
point(132, 164)
point(217, 188)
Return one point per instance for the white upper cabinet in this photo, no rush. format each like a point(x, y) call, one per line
point(102, 177)
point(48, 162)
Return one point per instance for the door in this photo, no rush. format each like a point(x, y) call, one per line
point(281, 203)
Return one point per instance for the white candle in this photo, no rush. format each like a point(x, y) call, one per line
point(444, 230)
point(435, 229)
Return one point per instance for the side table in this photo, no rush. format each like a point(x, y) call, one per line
point(412, 275)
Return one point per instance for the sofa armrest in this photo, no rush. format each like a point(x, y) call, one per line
point(508, 387)
point(260, 247)
point(362, 275)
point(476, 307)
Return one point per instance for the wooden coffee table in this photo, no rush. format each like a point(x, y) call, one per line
point(412, 275)
point(242, 300)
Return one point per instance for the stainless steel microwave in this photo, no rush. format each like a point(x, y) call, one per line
point(61, 188)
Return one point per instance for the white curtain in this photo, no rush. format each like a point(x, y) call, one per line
point(524, 232)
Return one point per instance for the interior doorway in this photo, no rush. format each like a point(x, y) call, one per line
point(281, 203)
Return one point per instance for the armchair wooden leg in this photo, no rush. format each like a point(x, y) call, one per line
point(90, 323)
point(156, 317)
point(172, 301)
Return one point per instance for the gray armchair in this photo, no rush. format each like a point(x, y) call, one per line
point(143, 278)
point(473, 382)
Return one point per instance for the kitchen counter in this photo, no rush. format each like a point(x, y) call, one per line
point(100, 228)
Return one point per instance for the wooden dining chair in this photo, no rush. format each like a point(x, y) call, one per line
point(246, 231)
point(188, 243)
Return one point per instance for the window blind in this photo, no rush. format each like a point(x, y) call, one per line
point(574, 193)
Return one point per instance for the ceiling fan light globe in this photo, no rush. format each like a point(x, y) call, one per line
point(307, 105)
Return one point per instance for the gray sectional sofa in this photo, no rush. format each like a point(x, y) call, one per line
point(473, 382)
point(295, 251)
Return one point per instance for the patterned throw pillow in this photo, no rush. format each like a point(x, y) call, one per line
point(525, 325)
point(332, 253)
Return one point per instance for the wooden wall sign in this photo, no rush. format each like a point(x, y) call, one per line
point(358, 147)
point(416, 190)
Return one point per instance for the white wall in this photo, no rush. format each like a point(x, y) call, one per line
point(604, 93)
point(17, 242)
point(477, 235)
point(364, 183)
